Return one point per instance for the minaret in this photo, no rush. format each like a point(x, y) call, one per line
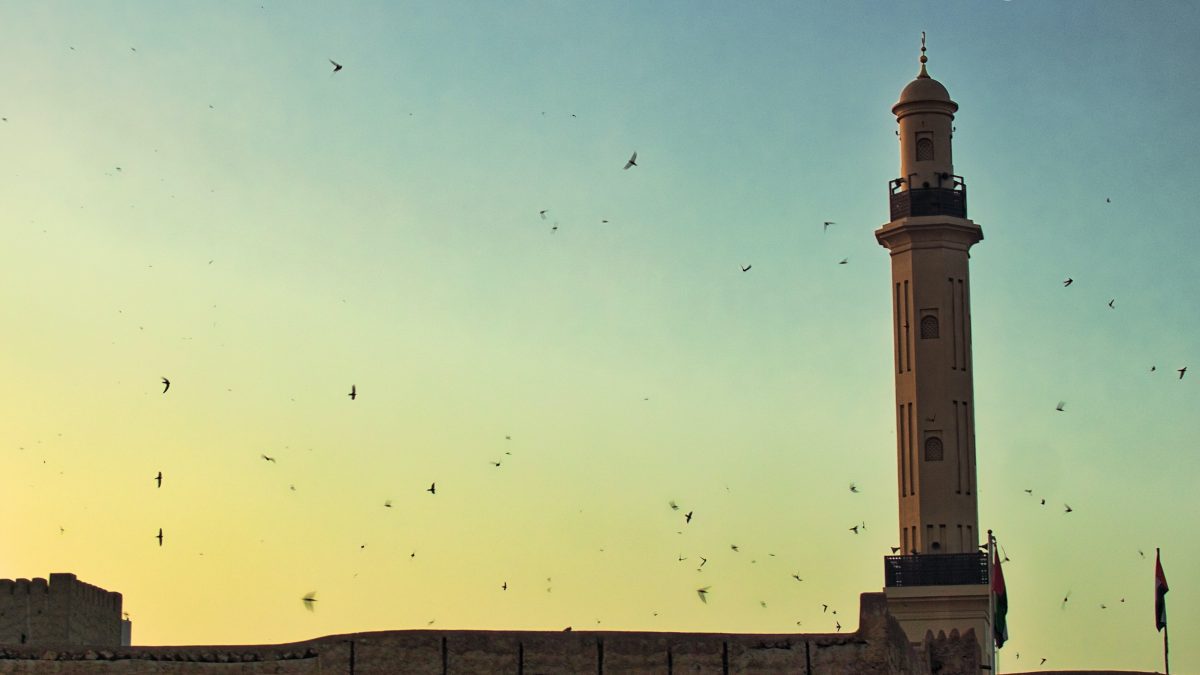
point(940, 581)
point(928, 237)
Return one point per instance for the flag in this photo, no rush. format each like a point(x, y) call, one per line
point(1160, 594)
point(999, 599)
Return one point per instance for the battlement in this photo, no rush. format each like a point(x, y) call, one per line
point(878, 647)
point(61, 610)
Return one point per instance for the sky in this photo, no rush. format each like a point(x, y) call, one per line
point(189, 191)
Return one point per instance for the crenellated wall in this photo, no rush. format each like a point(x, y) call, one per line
point(61, 611)
point(878, 647)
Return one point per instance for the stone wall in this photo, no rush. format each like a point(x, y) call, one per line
point(878, 647)
point(63, 611)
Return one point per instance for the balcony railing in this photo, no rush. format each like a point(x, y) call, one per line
point(948, 569)
point(933, 201)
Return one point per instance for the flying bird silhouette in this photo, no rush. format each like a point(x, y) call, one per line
point(826, 225)
point(158, 479)
point(734, 548)
point(1068, 508)
point(353, 392)
point(1068, 281)
point(504, 586)
point(673, 505)
point(542, 213)
point(839, 625)
point(387, 504)
point(269, 459)
point(1110, 303)
point(1060, 405)
point(336, 66)
point(632, 161)
point(703, 593)
point(746, 268)
point(854, 529)
point(844, 261)
point(1182, 371)
point(687, 517)
point(166, 385)
point(854, 488)
point(432, 489)
point(895, 549)
point(159, 537)
point(310, 597)
point(797, 577)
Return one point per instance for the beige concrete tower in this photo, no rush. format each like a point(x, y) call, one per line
point(939, 582)
point(928, 237)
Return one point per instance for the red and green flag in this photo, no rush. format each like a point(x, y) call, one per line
point(1160, 594)
point(999, 600)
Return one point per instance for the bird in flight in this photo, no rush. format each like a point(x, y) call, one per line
point(158, 479)
point(844, 261)
point(1182, 371)
point(1110, 303)
point(1068, 281)
point(1029, 492)
point(839, 625)
point(854, 529)
point(336, 66)
point(854, 488)
point(166, 385)
point(1140, 553)
point(1044, 660)
point(542, 213)
point(797, 577)
point(387, 504)
point(746, 268)
point(159, 537)
point(687, 517)
point(827, 224)
point(353, 392)
point(703, 560)
point(269, 459)
point(432, 489)
point(632, 161)
point(504, 586)
point(673, 505)
point(1060, 405)
point(734, 548)
point(824, 608)
point(895, 550)
point(703, 593)
point(1065, 599)
point(1068, 508)
point(309, 598)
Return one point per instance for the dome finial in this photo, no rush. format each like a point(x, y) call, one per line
point(924, 58)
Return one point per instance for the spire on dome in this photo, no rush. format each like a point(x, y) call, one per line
point(924, 58)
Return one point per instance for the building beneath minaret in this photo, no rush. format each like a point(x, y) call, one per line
point(940, 580)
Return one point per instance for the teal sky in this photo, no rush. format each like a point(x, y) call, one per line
point(189, 192)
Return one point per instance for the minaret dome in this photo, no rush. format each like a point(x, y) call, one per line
point(925, 114)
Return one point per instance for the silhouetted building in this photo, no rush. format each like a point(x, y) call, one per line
point(63, 611)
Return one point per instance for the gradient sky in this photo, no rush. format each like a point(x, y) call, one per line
point(189, 192)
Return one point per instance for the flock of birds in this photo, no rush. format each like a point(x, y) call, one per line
point(309, 599)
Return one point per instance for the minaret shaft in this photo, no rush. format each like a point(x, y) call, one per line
point(935, 427)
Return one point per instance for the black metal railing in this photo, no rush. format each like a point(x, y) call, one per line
point(947, 569)
point(933, 201)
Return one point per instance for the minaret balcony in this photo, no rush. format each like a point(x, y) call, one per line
point(935, 569)
point(929, 201)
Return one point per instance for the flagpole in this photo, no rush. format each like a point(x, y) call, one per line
point(1158, 566)
point(992, 599)
point(1166, 660)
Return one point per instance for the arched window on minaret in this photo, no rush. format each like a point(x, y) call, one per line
point(924, 149)
point(929, 326)
point(933, 449)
